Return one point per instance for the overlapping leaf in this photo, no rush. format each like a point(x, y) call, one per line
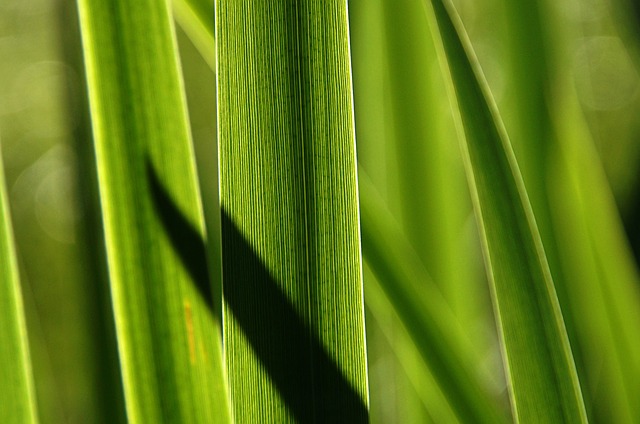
point(168, 336)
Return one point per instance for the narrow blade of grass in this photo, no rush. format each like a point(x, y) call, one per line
point(16, 390)
point(168, 337)
point(293, 315)
point(535, 145)
point(391, 397)
point(540, 367)
point(423, 311)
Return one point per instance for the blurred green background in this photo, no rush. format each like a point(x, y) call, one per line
point(406, 143)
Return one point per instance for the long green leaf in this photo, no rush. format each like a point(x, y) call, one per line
point(16, 387)
point(535, 146)
point(168, 337)
point(423, 312)
point(293, 315)
point(543, 380)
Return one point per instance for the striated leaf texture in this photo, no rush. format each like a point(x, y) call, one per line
point(292, 279)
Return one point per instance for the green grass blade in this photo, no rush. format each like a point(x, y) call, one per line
point(535, 144)
point(168, 338)
point(391, 396)
point(423, 311)
point(541, 371)
point(16, 390)
point(293, 316)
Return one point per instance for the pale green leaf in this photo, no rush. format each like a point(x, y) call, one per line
point(604, 291)
point(168, 336)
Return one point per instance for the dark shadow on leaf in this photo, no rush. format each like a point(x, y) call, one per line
point(306, 376)
point(186, 241)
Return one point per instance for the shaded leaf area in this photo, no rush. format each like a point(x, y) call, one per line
point(187, 242)
point(282, 342)
point(304, 373)
point(542, 374)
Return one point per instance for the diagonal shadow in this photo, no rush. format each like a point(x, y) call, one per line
point(306, 376)
point(186, 241)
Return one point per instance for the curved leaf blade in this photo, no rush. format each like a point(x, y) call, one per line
point(542, 375)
